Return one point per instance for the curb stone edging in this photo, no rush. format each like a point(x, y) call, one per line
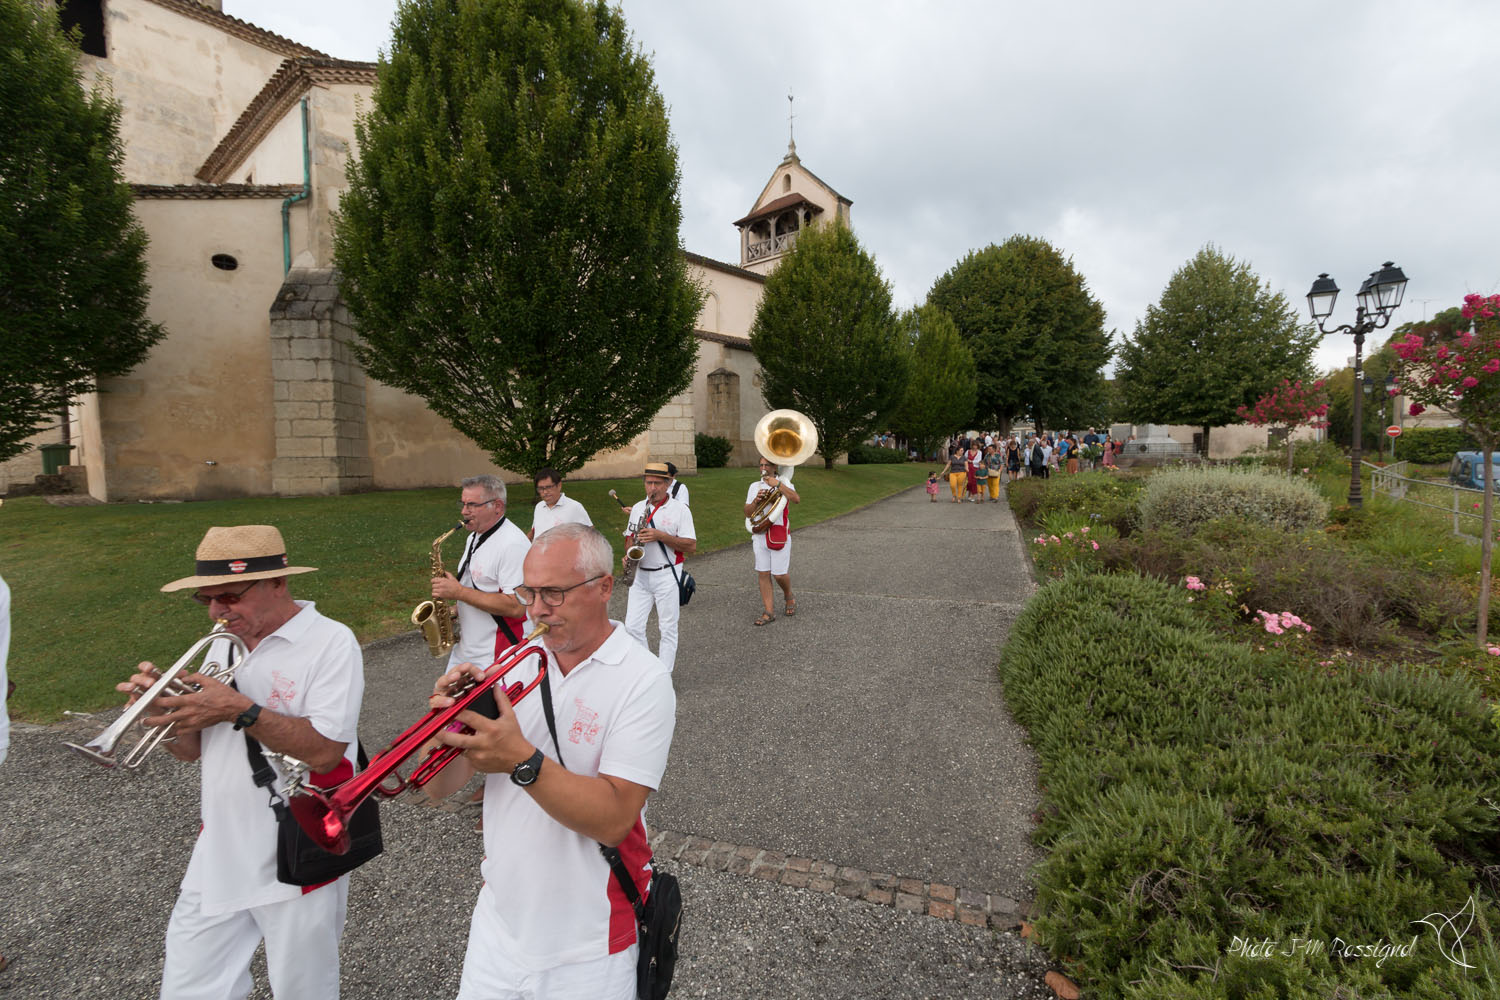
point(934, 899)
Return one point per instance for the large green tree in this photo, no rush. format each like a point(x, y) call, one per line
point(941, 390)
point(1218, 339)
point(826, 340)
point(73, 285)
point(509, 241)
point(1036, 333)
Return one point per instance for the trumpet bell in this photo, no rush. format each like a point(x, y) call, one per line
point(785, 437)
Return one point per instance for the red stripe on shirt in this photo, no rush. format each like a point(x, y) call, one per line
point(635, 852)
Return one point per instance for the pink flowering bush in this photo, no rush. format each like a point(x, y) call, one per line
point(1290, 405)
point(1054, 553)
point(1459, 370)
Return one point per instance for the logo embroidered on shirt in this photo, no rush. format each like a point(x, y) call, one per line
point(585, 728)
point(283, 690)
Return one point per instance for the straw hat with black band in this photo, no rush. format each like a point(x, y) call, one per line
point(657, 469)
point(243, 552)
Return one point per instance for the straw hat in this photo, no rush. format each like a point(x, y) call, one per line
point(657, 469)
point(244, 552)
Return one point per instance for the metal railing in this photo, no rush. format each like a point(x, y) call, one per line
point(1461, 504)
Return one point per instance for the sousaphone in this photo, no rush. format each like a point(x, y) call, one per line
point(787, 439)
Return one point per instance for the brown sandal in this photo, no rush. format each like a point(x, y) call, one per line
point(791, 608)
point(765, 618)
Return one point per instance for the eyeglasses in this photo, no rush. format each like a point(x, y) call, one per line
point(465, 505)
point(547, 487)
point(229, 600)
point(551, 596)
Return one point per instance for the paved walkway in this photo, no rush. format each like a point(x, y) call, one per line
point(847, 804)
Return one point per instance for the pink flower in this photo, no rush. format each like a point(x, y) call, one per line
point(1193, 583)
point(1416, 408)
point(1493, 650)
point(1095, 545)
point(1470, 382)
point(1492, 366)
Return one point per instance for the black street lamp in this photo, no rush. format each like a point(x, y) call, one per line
point(1379, 296)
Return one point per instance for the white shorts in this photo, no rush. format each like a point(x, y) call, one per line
point(777, 562)
point(490, 975)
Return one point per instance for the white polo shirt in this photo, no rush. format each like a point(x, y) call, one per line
point(565, 511)
point(674, 518)
point(311, 668)
point(548, 889)
point(494, 568)
point(679, 492)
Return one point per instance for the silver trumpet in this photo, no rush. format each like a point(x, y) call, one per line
point(101, 749)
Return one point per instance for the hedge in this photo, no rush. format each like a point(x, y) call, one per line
point(868, 454)
point(1433, 445)
point(711, 452)
point(1199, 794)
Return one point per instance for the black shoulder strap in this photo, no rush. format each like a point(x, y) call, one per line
point(675, 487)
point(469, 555)
point(611, 854)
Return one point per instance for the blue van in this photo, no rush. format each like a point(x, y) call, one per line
point(1467, 469)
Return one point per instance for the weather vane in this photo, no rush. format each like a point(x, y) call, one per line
point(791, 114)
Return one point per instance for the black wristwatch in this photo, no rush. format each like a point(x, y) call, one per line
point(247, 718)
point(525, 772)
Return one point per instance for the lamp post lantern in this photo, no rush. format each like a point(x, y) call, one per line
point(1379, 296)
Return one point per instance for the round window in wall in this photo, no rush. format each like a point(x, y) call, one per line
point(224, 261)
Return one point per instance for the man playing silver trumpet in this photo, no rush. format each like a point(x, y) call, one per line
point(297, 692)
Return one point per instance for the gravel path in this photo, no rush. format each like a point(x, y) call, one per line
point(847, 804)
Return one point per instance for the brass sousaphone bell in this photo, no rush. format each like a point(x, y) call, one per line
point(787, 439)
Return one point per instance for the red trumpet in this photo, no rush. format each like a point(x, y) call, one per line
point(324, 816)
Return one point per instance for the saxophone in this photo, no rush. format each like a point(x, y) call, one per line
point(438, 619)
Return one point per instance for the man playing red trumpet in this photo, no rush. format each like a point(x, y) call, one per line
point(551, 919)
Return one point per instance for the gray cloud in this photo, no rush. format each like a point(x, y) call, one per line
point(1299, 137)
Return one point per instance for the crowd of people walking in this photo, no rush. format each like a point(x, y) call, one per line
point(975, 466)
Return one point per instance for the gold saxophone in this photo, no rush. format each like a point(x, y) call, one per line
point(438, 619)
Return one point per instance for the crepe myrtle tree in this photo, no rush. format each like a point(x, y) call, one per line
point(1290, 405)
point(1459, 371)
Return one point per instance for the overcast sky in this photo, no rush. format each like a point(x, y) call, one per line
point(1297, 136)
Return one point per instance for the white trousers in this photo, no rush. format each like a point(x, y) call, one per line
point(208, 958)
point(660, 587)
point(490, 975)
point(777, 562)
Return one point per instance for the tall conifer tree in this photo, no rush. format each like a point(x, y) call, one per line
point(826, 340)
point(73, 285)
point(509, 241)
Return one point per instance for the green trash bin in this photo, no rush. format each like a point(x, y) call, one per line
point(54, 457)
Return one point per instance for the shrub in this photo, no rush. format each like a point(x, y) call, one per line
point(1433, 445)
point(1110, 495)
point(1352, 598)
point(712, 452)
point(1196, 791)
point(866, 454)
point(1069, 539)
point(1191, 495)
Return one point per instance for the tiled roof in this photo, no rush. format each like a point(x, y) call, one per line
point(239, 29)
point(718, 265)
point(199, 192)
point(771, 208)
point(293, 79)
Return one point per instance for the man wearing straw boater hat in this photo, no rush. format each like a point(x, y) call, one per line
point(297, 693)
point(664, 528)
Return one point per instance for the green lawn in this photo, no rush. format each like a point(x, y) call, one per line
point(84, 580)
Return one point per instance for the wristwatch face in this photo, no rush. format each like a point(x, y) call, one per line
point(526, 771)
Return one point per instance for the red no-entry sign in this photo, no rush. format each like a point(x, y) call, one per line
point(1393, 431)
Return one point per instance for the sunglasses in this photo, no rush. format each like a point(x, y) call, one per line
point(228, 600)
